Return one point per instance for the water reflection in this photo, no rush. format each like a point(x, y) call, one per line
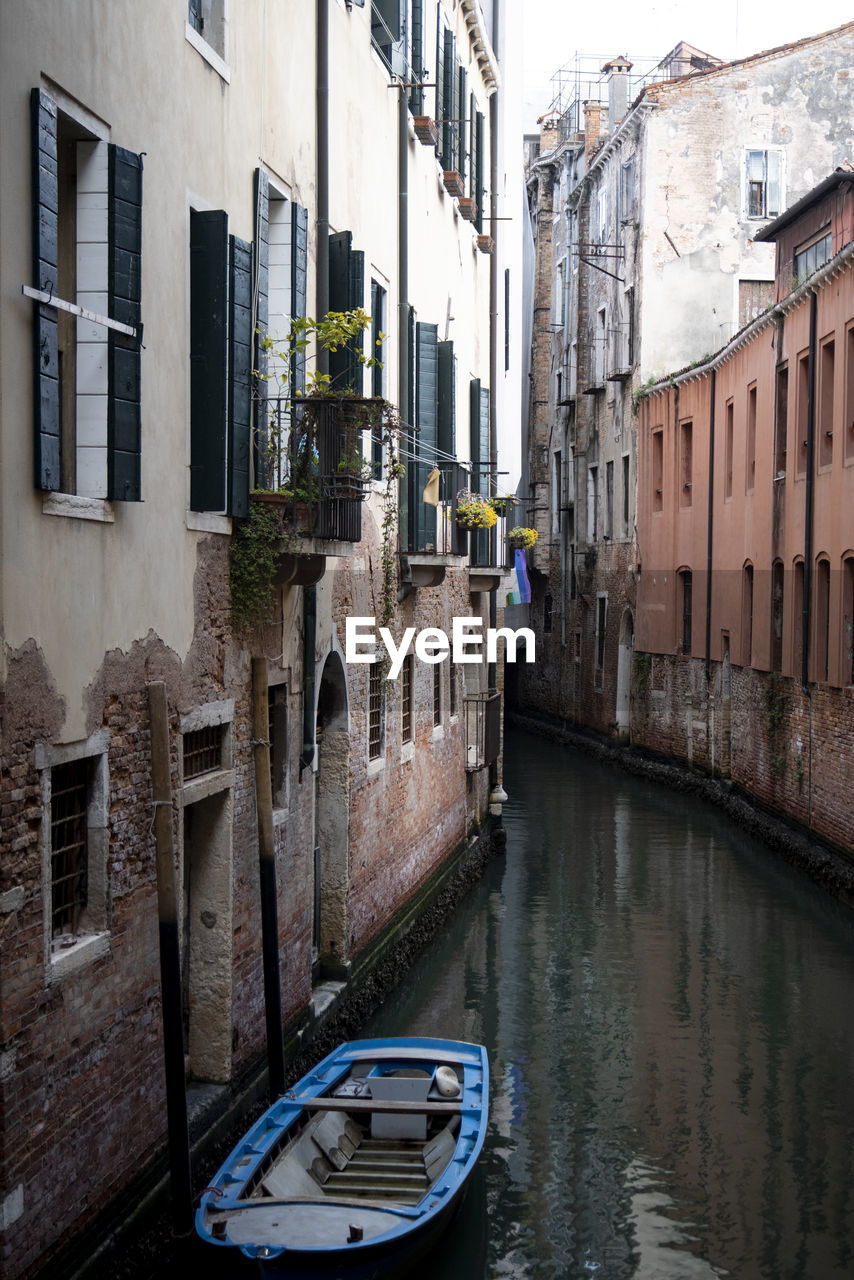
point(665, 1010)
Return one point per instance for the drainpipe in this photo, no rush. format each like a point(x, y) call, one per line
point(711, 527)
point(406, 487)
point(809, 499)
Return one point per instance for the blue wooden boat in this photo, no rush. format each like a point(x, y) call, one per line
point(357, 1170)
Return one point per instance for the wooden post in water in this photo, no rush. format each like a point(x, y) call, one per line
point(180, 1171)
point(267, 859)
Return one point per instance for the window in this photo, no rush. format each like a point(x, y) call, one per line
point(627, 190)
point(74, 788)
point(628, 329)
point(592, 502)
point(202, 750)
point(437, 694)
point(803, 403)
point(686, 603)
point(601, 614)
point(609, 500)
point(781, 422)
point(848, 422)
point(825, 402)
point(220, 365)
point(750, 470)
point(557, 490)
point(686, 463)
point(729, 442)
point(277, 719)
point(812, 254)
point(658, 470)
point(798, 620)
point(407, 677)
point(451, 96)
point(378, 321)
point(599, 354)
point(602, 216)
point(560, 293)
point(822, 619)
point(848, 620)
point(87, 223)
point(747, 616)
point(763, 183)
point(626, 496)
point(207, 19)
point(375, 712)
point(346, 292)
point(388, 33)
point(777, 616)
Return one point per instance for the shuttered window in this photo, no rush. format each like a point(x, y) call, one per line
point(446, 407)
point(416, 97)
point(426, 420)
point(261, 298)
point(85, 193)
point(346, 292)
point(299, 278)
point(479, 544)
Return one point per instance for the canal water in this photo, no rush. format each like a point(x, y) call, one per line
point(668, 1015)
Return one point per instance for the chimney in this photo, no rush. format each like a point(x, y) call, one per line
point(617, 71)
point(549, 131)
point(592, 129)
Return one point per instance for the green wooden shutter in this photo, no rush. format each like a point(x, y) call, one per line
point(299, 278)
point(416, 57)
point(208, 358)
point(478, 191)
point(441, 111)
point(462, 139)
point(446, 412)
point(448, 94)
point(239, 375)
point(346, 292)
point(45, 210)
point(261, 283)
point(426, 419)
point(124, 298)
point(479, 448)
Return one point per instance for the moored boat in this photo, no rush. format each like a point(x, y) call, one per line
point(357, 1169)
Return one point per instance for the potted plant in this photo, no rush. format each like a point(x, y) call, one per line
point(521, 537)
point(500, 503)
point(473, 511)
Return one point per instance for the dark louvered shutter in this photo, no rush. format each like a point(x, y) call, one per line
point(208, 358)
point(462, 131)
point(448, 95)
point(239, 375)
point(124, 298)
point(441, 111)
point(346, 292)
point(416, 97)
point(446, 414)
point(477, 161)
point(426, 419)
point(485, 536)
point(45, 201)
point(261, 268)
point(299, 276)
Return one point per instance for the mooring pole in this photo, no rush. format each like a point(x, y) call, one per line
point(267, 858)
point(180, 1172)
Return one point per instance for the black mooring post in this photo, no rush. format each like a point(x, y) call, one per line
point(267, 867)
point(180, 1171)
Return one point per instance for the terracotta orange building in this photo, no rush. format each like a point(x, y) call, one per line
point(744, 642)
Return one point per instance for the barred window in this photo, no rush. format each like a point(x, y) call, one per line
point(375, 712)
point(452, 701)
point(406, 698)
point(277, 714)
point(202, 751)
point(437, 694)
point(69, 845)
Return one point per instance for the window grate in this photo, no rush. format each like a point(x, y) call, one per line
point(437, 695)
point(68, 843)
point(202, 751)
point(375, 710)
point(406, 699)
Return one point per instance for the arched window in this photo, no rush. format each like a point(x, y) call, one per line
point(848, 620)
point(798, 619)
point(777, 616)
point(685, 605)
point(821, 615)
point(747, 616)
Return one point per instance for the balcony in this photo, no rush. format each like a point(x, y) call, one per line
point(483, 729)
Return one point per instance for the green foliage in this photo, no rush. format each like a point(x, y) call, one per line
point(776, 713)
point(643, 673)
point(522, 536)
point(254, 548)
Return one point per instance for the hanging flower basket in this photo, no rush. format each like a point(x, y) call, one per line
point(521, 537)
point(426, 131)
point(500, 504)
point(473, 511)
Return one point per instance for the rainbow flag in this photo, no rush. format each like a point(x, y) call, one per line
point(520, 592)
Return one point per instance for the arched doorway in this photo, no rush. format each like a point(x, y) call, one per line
point(331, 824)
point(624, 671)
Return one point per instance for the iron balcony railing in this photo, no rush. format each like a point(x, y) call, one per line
point(483, 728)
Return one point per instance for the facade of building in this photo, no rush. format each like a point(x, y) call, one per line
point(175, 191)
point(648, 194)
point(745, 623)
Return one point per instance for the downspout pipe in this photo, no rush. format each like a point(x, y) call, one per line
point(321, 307)
point(711, 526)
point(809, 499)
point(406, 486)
point(493, 311)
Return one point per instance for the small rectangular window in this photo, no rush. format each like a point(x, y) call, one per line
point(406, 701)
point(803, 402)
point(764, 183)
point(626, 496)
point(686, 458)
point(277, 709)
point(69, 846)
point(781, 422)
point(375, 711)
point(687, 587)
point(658, 470)
point(827, 362)
point(202, 750)
point(812, 255)
point(609, 499)
point(750, 472)
point(437, 694)
point(729, 444)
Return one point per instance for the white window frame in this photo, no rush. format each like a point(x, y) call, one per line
point(766, 214)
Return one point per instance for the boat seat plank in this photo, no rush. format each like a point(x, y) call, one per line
point(370, 1104)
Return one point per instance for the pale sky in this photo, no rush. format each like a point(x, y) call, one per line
point(552, 31)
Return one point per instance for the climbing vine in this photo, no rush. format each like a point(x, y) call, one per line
point(776, 714)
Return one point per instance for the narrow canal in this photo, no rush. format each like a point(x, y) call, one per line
point(667, 1012)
